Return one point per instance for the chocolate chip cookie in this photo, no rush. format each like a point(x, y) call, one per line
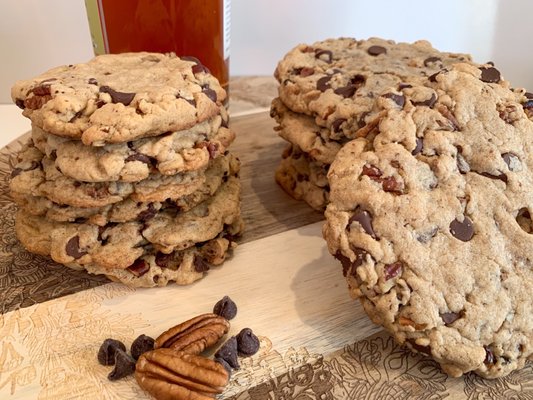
point(335, 80)
point(120, 97)
point(118, 246)
point(303, 178)
point(128, 209)
point(431, 221)
point(169, 154)
point(36, 175)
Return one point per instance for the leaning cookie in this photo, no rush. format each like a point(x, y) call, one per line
point(168, 154)
point(335, 80)
point(302, 178)
point(129, 209)
point(120, 97)
point(431, 220)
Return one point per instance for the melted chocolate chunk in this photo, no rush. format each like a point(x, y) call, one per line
point(323, 83)
point(376, 50)
point(511, 160)
point(462, 230)
point(427, 103)
point(430, 61)
point(324, 55)
point(419, 146)
point(139, 157)
point(347, 265)
point(392, 270)
point(73, 248)
point(118, 97)
point(200, 68)
point(42, 90)
point(346, 91)
point(364, 218)
point(209, 93)
point(336, 125)
point(163, 260)
point(490, 75)
point(200, 265)
point(371, 171)
point(450, 317)
point(139, 267)
point(399, 99)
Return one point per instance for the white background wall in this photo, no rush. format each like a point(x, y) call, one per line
point(36, 35)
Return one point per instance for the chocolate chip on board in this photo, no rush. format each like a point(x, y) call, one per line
point(229, 352)
point(247, 342)
point(124, 366)
point(226, 308)
point(106, 353)
point(142, 344)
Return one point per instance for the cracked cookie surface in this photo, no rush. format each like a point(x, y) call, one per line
point(430, 217)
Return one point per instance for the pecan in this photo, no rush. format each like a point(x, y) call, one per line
point(169, 374)
point(195, 335)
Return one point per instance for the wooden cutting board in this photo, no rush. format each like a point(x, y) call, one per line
point(316, 342)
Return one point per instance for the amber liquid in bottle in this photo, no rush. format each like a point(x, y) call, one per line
point(198, 28)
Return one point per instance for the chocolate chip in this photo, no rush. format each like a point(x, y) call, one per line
point(139, 157)
point(100, 104)
point(392, 270)
point(376, 50)
point(502, 177)
point(390, 184)
point(16, 172)
point(462, 230)
point(141, 345)
point(139, 267)
point(306, 71)
point(419, 146)
point(106, 353)
point(490, 75)
point(336, 125)
point(450, 317)
point(209, 93)
point(124, 366)
point(346, 91)
point(73, 248)
point(225, 364)
point(190, 58)
point(490, 359)
point(76, 116)
point(20, 103)
point(433, 78)
point(419, 348)
point(200, 265)
point(511, 160)
point(402, 86)
point(432, 60)
point(163, 260)
point(147, 214)
point(358, 81)
point(200, 68)
point(226, 308)
point(228, 352)
point(92, 81)
point(324, 55)
point(529, 95)
point(323, 83)
point(347, 265)
point(427, 103)
point(371, 171)
point(42, 90)
point(399, 99)
point(247, 342)
point(118, 97)
point(364, 218)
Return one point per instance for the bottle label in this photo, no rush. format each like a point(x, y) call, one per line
point(227, 27)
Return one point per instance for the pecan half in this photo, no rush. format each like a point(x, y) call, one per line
point(195, 335)
point(169, 374)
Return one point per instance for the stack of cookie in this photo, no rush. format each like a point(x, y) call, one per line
point(126, 173)
point(329, 94)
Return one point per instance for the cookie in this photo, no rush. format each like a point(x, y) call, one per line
point(36, 175)
point(128, 209)
point(335, 80)
point(431, 221)
point(118, 246)
point(302, 178)
point(169, 154)
point(116, 98)
point(301, 130)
